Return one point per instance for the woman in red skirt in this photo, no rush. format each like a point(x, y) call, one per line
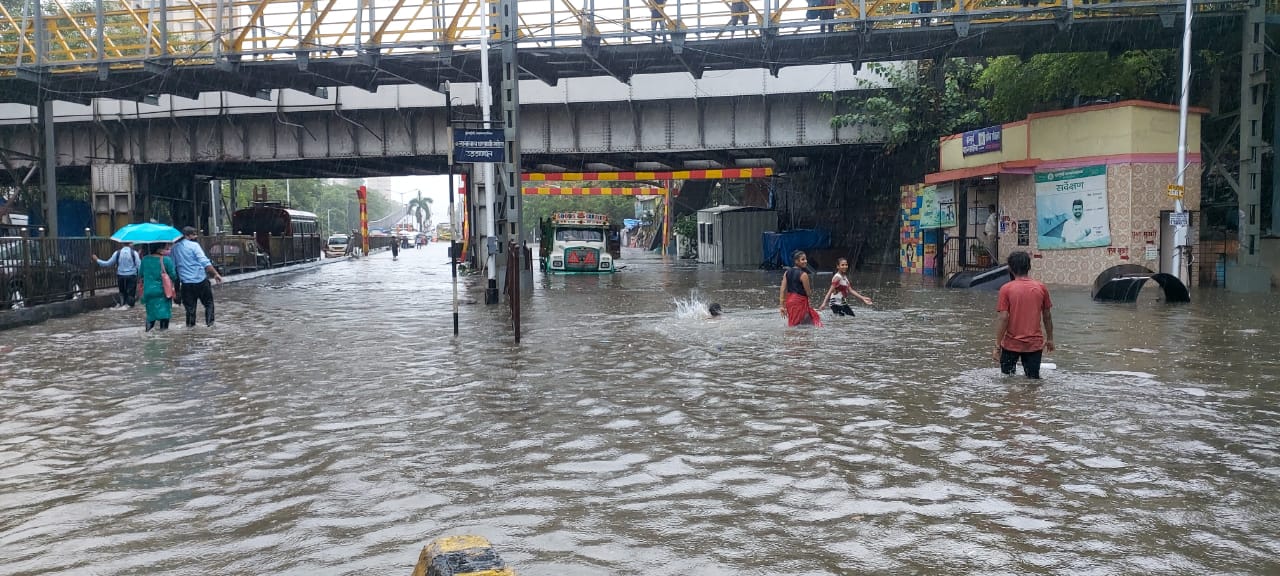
point(795, 293)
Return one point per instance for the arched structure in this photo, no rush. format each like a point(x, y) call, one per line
point(1122, 284)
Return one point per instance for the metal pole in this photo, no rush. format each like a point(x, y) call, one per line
point(490, 211)
point(1180, 230)
point(509, 20)
point(453, 225)
point(213, 207)
point(288, 194)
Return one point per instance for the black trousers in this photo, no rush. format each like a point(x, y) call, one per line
point(1030, 362)
point(842, 310)
point(164, 324)
point(202, 292)
point(128, 286)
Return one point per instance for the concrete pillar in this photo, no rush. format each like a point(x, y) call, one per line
point(1275, 164)
point(49, 167)
point(1247, 274)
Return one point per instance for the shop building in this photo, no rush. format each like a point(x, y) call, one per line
point(1081, 190)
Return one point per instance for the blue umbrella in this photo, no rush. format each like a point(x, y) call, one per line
point(146, 233)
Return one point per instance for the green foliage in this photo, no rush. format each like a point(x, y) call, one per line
point(541, 207)
point(927, 100)
point(421, 210)
point(924, 101)
point(1045, 82)
point(687, 226)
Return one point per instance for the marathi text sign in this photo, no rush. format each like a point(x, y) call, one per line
point(479, 145)
point(980, 141)
point(1071, 208)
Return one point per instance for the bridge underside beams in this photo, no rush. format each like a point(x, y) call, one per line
point(319, 143)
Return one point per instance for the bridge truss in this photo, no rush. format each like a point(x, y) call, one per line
point(78, 50)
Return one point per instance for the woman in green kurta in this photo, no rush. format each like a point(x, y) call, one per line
point(159, 307)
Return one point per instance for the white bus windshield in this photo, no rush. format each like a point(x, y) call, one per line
point(580, 234)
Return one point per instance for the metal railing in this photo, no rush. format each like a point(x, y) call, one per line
point(42, 270)
point(85, 36)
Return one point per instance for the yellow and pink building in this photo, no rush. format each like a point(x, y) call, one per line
point(1081, 190)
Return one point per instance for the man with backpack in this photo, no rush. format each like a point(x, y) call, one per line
point(126, 261)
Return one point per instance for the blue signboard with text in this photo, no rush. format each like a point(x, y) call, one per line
point(479, 145)
point(980, 141)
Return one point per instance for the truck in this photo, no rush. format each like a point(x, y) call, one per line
point(578, 243)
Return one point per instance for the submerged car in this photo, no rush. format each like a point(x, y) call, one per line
point(237, 254)
point(33, 272)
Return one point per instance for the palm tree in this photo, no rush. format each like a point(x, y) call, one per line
point(421, 209)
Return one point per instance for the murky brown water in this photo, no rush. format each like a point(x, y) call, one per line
point(330, 424)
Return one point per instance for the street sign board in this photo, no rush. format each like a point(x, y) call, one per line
point(1177, 219)
point(1175, 191)
point(479, 145)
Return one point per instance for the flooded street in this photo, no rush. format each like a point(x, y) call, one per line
point(330, 424)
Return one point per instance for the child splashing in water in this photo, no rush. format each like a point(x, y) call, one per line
point(840, 288)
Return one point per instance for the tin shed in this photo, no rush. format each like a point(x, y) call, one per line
point(730, 235)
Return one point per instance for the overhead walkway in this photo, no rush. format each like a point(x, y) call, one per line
point(135, 50)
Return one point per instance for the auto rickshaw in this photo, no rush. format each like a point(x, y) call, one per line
point(465, 555)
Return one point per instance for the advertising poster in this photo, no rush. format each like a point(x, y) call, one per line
point(1071, 208)
point(938, 206)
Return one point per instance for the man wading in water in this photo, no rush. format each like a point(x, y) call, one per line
point(1023, 303)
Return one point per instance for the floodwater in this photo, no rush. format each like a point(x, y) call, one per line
point(330, 424)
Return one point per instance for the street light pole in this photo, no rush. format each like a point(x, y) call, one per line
point(1180, 227)
point(490, 187)
point(453, 225)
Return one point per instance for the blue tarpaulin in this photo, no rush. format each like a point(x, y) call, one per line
point(778, 246)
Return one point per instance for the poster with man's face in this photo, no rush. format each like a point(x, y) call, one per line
point(1071, 208)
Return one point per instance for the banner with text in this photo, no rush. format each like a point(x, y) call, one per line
point(1071, 208)
point(938, 206)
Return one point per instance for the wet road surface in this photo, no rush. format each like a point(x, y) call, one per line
point(330, 424)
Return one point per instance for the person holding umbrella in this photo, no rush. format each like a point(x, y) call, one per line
point(157, 274)
point(126, 262)
point(194, 270)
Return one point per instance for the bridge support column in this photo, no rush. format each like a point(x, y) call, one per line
point(49, 167)
point(513, 234)
point(1248, 274)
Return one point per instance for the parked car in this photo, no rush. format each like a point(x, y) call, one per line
point(236, 254)
point(29, 276)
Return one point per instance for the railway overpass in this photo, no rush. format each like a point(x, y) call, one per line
point(135, 52)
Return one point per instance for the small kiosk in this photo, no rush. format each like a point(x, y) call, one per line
point(1082, 190)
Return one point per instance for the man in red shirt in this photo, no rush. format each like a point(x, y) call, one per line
point(1022, 305)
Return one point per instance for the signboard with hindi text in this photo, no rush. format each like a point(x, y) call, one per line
point(1071, 208)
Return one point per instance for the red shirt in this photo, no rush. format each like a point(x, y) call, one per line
point(1024, 299)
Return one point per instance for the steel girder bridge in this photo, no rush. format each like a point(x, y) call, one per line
point(136, 49)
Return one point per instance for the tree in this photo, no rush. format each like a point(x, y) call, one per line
point(421, 209)
point(1044, 82)
point(924, 101)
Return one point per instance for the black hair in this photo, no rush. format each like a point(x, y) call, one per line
point(1020, 263)
point(1078, 201)
point(991, 207)
point(714, 309)
point(796, 255)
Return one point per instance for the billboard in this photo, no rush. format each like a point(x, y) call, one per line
point(1071, 208)
point(938, 206)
